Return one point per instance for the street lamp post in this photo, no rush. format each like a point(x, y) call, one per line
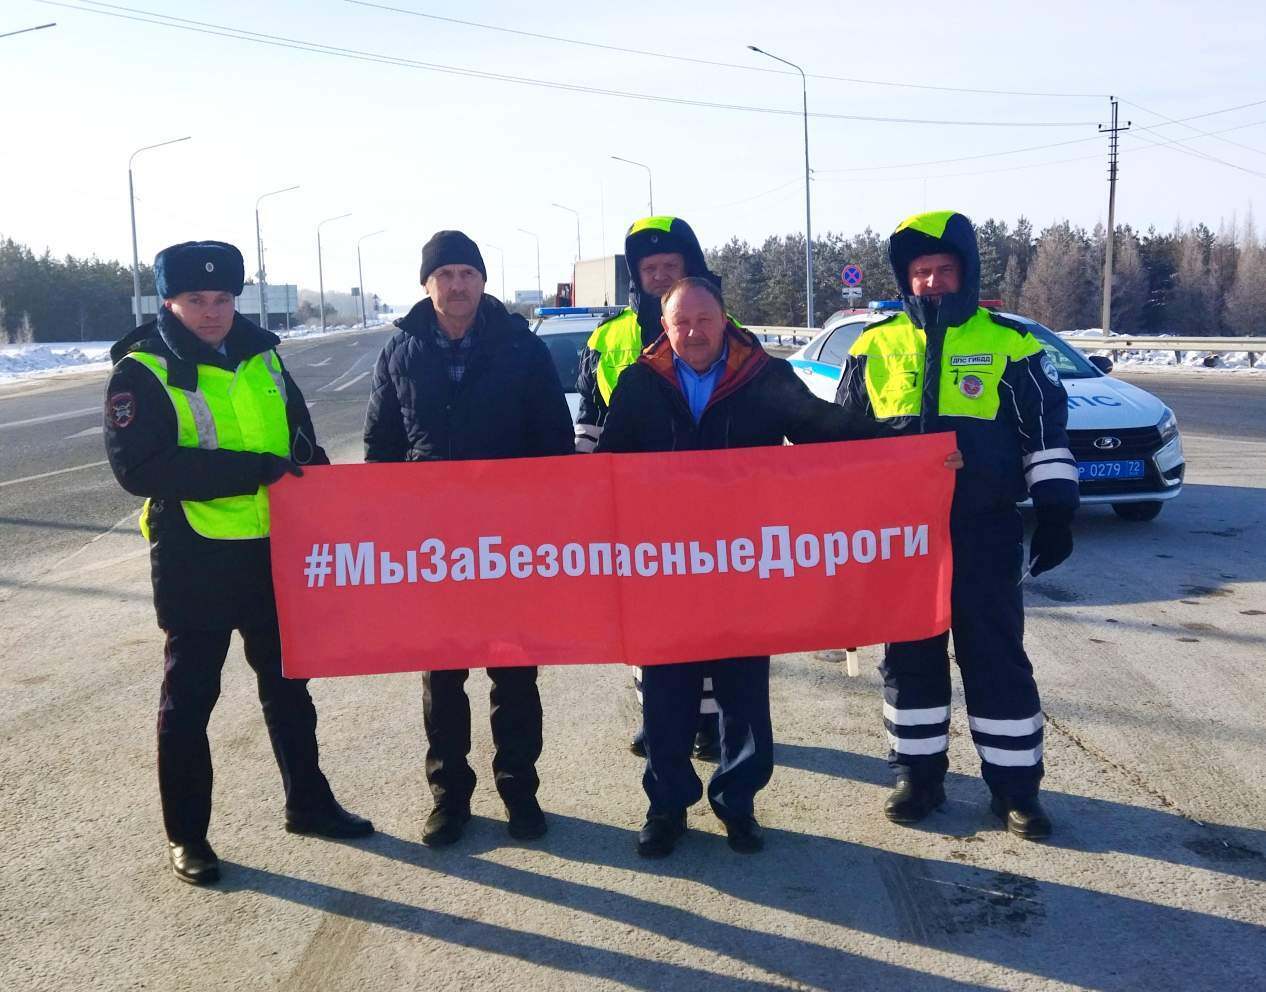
point(260, 277)
point(360, 274)
point(321, 265)
point(577, 213)
point(503, 268)
point(131, 198)
point(808, 220)
point(539, 291)
point(650, 189)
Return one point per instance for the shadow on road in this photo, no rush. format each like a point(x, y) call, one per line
point(1081, 823)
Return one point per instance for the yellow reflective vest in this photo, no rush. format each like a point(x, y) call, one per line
point(239, 410)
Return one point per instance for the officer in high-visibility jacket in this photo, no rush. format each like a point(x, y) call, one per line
point(659, 251)
point(200, 418)
point(947, 364)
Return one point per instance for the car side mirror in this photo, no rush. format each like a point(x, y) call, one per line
point(1102, 362)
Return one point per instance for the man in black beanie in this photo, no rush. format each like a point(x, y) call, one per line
point(463, 378)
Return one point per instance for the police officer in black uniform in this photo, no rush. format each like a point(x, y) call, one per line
point(201, 416)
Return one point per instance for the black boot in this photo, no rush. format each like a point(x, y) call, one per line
point(911, 801)
point(331, 821)
point(445, 825)
point(744, 835)
point(526, 820)
point(1023, 816)
point(659, 835)
point(194, 862)
point(638, 744)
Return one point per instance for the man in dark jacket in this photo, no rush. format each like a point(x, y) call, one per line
point(659, 251)
point(201, 416)
point(462, 379)
point(707, 384)
point(946, 363)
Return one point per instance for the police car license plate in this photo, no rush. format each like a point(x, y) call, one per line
point(1131, 468)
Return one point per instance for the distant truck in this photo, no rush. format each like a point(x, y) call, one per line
point(601, 282)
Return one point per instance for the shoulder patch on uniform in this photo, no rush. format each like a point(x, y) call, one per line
point(120, 410)
point(1049, 368)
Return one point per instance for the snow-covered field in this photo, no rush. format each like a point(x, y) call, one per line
point(50, 358)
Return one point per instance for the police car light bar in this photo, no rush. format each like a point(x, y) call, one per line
point(576, 311)
point(885, 304)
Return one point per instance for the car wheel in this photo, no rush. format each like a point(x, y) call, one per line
point(1138, 512)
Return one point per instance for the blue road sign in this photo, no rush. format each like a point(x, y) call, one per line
point(851, 275)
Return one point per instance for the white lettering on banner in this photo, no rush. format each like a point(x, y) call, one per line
point(600, 559)
point(573, 560)
point(836, 545)
point(363, 564)
point(550, 553)
point(769, 559)
point(743, 555)
point(463, 564)
point(390, 573)
point(492, 564)
point(808, 550)
point(438, 569)
point(357, 570)
point(520, 561)
point(673, 557)
point(701, 562)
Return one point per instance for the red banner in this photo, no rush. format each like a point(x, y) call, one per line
point(643, 559)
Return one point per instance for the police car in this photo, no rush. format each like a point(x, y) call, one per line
point(565, 331)
point(1126, 441)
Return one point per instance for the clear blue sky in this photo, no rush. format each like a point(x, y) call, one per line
point(413, 150)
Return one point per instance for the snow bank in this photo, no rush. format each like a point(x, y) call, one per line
point(28, 361)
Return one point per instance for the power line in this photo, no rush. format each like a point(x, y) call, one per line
point(624, 50)
point(281, 41)
point(1054, 144)
point(1179, 145)
point(1183, 122)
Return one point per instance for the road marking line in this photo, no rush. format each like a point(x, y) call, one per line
point(343, 375)
point(45, 475)
point(96, 566)
point(352, 382)
point(317, 365)
point(86, 432)
point(51, 417)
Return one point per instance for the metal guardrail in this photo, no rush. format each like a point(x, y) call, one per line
point(1132, 342)
point(790, 336)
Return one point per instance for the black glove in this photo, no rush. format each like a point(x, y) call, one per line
point(273, 467)
point(1052, 540)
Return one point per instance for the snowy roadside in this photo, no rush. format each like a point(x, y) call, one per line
point(48, 359)
point(1160, 361)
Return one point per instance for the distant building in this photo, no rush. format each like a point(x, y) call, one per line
point(532, 296)
point(282, 304)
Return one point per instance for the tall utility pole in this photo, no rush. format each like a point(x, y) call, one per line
point(260, 276)
point(503, 268)
point(650, 185)
point(1112, 132)
point(539, 292)
point(808, 213)
point(360, 275)
point(321, 265)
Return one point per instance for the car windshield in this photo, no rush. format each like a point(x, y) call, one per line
point(565, 349)
point(1069, 362)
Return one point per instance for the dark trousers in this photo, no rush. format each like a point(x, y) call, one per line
point(516, 735)
point(1003, 708)
point(670, 713)
point(191, 686)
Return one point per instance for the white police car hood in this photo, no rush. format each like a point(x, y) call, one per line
point(1105, 403)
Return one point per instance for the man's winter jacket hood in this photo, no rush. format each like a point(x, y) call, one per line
point(931, 234)
point(656, 236)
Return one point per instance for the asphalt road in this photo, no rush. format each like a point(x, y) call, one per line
point(1149, 645)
